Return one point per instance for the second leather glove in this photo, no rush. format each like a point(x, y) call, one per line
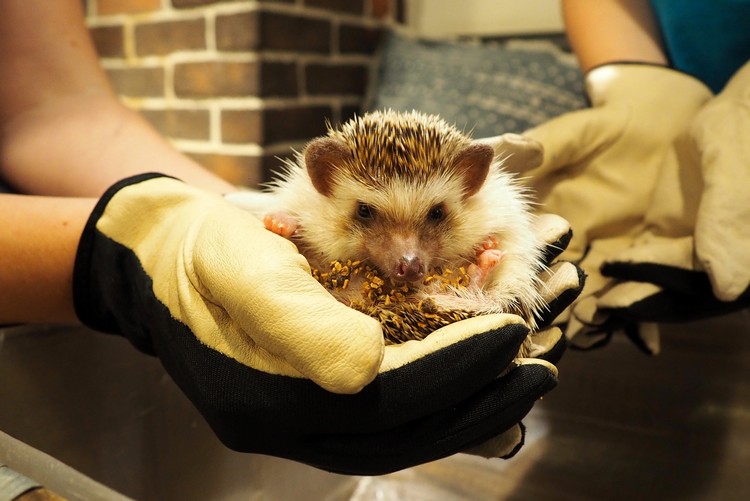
point(601, 164)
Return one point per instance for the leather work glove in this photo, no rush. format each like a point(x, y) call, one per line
point(692, 261)
point(721, 132)
point(601, 166)
point(276, 365)
point(601, 163)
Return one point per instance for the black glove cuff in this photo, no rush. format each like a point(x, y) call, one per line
point(103, 273)
point(686, 295)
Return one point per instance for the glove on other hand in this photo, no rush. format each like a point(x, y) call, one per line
point(602, 164)
point(721, 132)
point(692, 262)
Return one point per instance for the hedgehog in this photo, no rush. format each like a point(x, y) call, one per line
point(407, 219)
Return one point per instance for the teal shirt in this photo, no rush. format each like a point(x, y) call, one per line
point(709, 39)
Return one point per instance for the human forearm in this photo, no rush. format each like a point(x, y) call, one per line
point(82, 144)
point(604, 31)
point(39, 239)
point(63, 131)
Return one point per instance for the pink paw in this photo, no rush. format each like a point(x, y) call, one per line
point(280, 223)
point(487, 260)
point(489, 243)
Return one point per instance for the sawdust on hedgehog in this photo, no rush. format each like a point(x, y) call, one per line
point(402, 317)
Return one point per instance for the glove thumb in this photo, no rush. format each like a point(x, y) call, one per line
point(571, 138)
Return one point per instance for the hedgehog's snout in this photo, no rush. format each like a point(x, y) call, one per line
point(400, 255)
point(409, 268)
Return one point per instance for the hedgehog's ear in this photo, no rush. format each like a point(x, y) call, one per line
point(473, 162)
point(323, 156)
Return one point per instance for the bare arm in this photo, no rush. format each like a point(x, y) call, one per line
point(64, 133)
point(39, 239)
point(604, 31)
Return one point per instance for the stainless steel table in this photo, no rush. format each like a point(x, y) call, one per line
point(620, 426)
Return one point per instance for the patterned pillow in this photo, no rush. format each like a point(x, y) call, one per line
point(485, 88)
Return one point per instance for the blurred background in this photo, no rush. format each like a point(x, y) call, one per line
point(238, 85)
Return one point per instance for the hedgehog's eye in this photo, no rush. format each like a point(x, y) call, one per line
point(365, 212)
point(437, 213)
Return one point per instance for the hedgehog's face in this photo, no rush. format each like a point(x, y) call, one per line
point(393, 190)
point(402, 248)
point(405, 230)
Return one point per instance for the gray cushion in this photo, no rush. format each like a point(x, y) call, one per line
point(485, 88)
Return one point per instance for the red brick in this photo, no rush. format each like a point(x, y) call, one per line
point(240, 170)
point(168, 37)
point(381, 9)
point(293, 33)
point(347, 6)
point(192, 3)
point(109, 41)
point(278, 79)
point(107, 7)
point(325, 79)
point(138, 82)
point(216, 79)
point(238, 32)
point(294, 124)
point(274, 125)
point(180, 124)
point(393, 10)
point(196, 3)
point(242, 126)
point(358, 39)
point(399, 11)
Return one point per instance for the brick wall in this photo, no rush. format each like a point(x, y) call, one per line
point(235, 84)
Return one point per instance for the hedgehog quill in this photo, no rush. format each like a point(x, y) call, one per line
point(407, 219)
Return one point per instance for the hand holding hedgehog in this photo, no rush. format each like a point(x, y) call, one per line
point(263, 351)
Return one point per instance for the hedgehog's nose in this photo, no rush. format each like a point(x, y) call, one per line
point(409, 269)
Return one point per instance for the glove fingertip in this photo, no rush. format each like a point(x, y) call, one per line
point(519, 444)
point(555, 232)
point(349, 363)
point(565, 285)
point(503, 446)
point(553, 249)
point(551, 345)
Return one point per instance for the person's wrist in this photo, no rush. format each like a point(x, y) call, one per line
point(39, 240)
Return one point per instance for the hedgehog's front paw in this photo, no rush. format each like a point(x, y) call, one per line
point(489, 243)
point(487, 261)
point(280, 223)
